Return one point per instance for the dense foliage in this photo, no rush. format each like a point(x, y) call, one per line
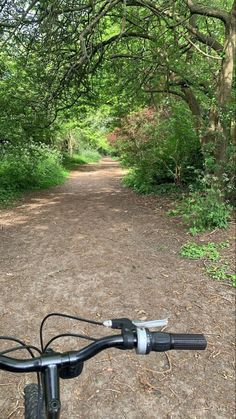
point(32, 166)
point(158, 76)
point(160, 147)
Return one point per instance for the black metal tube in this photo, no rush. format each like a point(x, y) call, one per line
point(39, 364)
point(50, 379)
point(115, 341)
point(20, 365)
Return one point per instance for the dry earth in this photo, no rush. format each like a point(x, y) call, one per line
point(94, 248)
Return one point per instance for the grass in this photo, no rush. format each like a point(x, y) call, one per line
point(28, 167)
point(88, 156)
point(8, 195)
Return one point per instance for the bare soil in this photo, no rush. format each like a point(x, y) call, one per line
point(94, 248)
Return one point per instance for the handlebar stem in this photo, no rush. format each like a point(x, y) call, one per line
point(50, 379)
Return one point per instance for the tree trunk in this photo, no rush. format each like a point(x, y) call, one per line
point(194, 107)
point(220, 125)
point(70, 145)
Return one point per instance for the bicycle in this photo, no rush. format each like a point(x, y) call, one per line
point(42, 400)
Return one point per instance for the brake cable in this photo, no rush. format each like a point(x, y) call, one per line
point(69, 335)
point(97, 323)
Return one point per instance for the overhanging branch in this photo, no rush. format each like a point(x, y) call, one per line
point(208, 11)
point(172, 92)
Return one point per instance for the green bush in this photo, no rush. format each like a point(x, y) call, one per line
point(205, 210)
point(160, 147)
point(135, 180)
point(31, 166)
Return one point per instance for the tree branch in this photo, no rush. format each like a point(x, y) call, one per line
point(203, 52)
point(122, 35)
point(208, 11)
point(205, 39)
point(172, 92)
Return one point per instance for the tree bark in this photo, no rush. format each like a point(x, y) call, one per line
point(220, 127)
point(194, 107)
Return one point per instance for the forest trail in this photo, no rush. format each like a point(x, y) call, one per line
point(94, 248)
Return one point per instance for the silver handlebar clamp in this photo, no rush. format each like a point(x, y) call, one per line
point(140, 327)
point(142, 341)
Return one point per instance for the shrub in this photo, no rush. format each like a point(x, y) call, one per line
point(205, 210)
point(31, 166)
point(160, 147)
point(135, 180)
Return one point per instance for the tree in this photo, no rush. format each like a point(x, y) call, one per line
point(178, 48)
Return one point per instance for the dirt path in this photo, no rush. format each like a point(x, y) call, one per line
point(93, 248)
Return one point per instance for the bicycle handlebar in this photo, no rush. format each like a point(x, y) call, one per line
point(158, 342)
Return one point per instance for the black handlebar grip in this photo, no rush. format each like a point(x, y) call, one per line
point(188, 341)
point(161, 342)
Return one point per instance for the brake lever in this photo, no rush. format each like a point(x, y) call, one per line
point(137, 323)
point(150, 323)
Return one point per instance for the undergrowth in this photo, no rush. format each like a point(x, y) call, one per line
point(215, 266)
point(203, 210)
point(22, 168)
point(134, 180)
point(193, 250)
point(35, 166)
